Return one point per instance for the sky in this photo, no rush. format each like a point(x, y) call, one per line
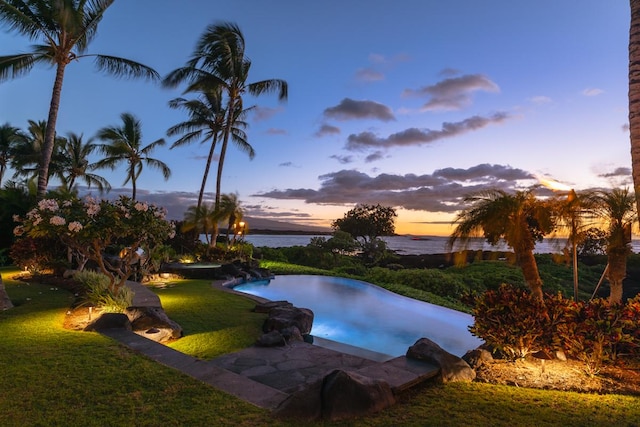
point(407, 103)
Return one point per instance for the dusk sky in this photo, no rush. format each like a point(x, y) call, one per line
point(411, 104)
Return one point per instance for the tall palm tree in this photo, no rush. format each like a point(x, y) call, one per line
point(10, 138)
point(124, 144)
point(75, 163)
point(66, 28)
point(616, 208)
point(634, 96)
point(206, 122)
point(219, 62)
point(520, 219)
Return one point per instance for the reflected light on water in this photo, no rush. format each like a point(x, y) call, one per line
point(364, 315)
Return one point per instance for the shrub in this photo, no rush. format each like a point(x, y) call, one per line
point(510, 320)
point(100, 294)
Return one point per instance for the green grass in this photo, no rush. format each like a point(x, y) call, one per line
point(52, 376)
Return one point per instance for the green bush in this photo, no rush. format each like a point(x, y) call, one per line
point(437, 282)
point(100, 294)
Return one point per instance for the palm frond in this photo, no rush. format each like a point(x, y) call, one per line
point(122, 67)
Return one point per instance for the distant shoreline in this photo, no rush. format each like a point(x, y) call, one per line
point(289, 232)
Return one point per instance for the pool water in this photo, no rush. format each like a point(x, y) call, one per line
point(364, 315)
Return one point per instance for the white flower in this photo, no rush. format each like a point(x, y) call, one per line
point(57, 220)
point(66, 203)
point(18, 231)
point(141, 207)
point(16, 218)
point(37, 219)
point(93, 208)
point(75, 226)
point(48, 205)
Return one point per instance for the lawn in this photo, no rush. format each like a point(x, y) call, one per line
point(54, 376)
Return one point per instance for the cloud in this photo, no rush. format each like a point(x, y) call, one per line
point(453, 93)
point(274, 131)
point(326, 129)
point(414, 136)
point(369, 75)
point(441, 191)
point(342, 159)
point(591, 91)
point(625, 127)
point(377, 155)
point(349, 109)
point(540, 100)
point(617, 172)
point(264, 113)
point(286, 164)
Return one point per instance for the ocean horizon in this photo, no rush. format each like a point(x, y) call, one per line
point(410, 245)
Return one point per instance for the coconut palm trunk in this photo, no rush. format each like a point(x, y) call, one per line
point(50, 133)
point(527, 263)
point(634, 96)
point(205, 176)
point(616, 273)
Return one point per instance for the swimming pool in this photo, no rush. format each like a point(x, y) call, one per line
point(364, 315)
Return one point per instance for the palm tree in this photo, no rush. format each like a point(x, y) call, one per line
point(520, 219)
point(230, 210)
point(125, 145)
point(10, 138)
point(574, 214)
point(616, 209)
point(66, 29)
point(202, 220)
point(75, 163)
point(634, 96)
point(219, 63)
point(206, 122)
point(27, 155)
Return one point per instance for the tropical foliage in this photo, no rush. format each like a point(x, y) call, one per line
point(520, 219)
point(66, 28)
point(124, 145)
point(219, 63)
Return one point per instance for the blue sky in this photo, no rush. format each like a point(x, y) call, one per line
point(411, 104)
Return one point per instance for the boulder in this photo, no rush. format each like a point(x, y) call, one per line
point(452, 368)
point(5, 301)
point(348, 394)
point(339, 395)
point(271, 339)
point(153, 323)
point(109, 321)
point(283, 317)
point(478, 357)
point(266, 307)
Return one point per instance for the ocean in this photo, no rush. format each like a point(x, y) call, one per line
point(407, 245)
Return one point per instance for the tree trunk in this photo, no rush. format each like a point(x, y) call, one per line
point(634, 96)
point(529, 267)
point(206, 173)
point(617, 273)
point(50, 132)
point(223, 151)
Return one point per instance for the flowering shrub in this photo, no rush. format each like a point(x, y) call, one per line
point(88, 227)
